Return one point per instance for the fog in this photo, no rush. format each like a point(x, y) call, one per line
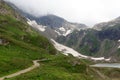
point(88, 12)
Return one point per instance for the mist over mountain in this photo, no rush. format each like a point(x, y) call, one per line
point(88, 12)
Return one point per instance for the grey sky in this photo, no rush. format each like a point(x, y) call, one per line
point(88, 12)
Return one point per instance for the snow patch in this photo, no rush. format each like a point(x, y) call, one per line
point(68, 32)
point(62, 29)
point(100, 58)
point(108, 59)
point(66, 50)
point(119, 47)
point(34, 24)
point(118, 40)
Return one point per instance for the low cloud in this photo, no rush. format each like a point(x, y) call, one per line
point(89, 12)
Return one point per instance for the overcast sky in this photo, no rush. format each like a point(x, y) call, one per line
point(88, 12)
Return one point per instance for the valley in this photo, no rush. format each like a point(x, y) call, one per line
point(52, 48)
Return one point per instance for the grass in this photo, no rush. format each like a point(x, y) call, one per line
point(25, 44)
point(14, 58)
point(58, 67)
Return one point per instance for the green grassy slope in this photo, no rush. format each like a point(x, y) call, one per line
point(21, 43)
point(61, 67)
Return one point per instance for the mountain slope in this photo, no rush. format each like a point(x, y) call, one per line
point(57, 24)
point(108, 24)
point(96, 43)
point(19, 43)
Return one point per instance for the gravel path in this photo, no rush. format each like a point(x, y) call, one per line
point(35, 65)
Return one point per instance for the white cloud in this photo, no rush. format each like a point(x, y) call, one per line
point(82, 11)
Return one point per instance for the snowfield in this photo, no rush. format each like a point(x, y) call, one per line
point(34, 24)
point(66, 50)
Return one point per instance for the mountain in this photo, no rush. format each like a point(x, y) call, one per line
point(78, 36)
point(86, 41)
point(57, 25)
point(100, 42)
point(103, 25)
point(54, 21)
point(50, 21)
point(50, 25)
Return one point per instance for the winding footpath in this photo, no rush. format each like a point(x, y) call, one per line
point(35, 65)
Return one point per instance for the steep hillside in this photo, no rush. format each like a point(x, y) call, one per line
point(19, 43)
